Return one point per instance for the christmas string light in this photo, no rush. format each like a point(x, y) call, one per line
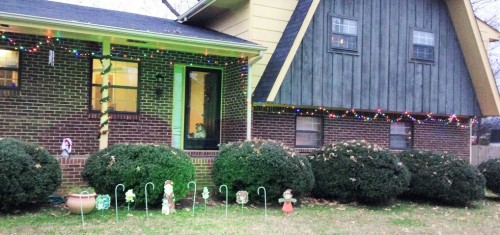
point(53, 43)
point(451, 120)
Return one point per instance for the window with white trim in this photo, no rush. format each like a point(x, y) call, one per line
point(9, 69)
point(401, 135)
point(308, 131)
point(423, 45)
point(344, 34)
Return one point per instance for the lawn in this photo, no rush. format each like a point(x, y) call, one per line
point(309, 218)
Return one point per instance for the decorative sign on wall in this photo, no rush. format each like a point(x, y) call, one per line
point(66, 148)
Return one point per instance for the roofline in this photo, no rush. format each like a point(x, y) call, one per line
point(293, 51)
point(202, 4)
point(491, 29)
point(476, 59)
point(108, 31)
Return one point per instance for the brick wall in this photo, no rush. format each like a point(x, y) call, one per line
point(428, 136)
point(53, 102)
point(71, 169)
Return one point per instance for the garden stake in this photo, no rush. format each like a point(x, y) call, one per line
point(81, 206)
point(194, 196)
point(146, 192)
point(220, 191)
point(265, 199)
point(116, 199)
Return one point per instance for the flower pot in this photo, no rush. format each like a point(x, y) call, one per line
point(77, 201)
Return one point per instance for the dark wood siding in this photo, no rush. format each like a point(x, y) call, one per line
point(380, 74)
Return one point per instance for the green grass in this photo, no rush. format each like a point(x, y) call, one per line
point(400, 217)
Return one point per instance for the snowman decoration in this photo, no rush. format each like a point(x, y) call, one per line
point(66, 147)
point(168, 202)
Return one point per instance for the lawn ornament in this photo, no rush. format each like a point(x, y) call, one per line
point(116, 199)
point(205, 195)
point(66, 148)
point(242, 198)
point(103, 202)
point(220, 190)
point(129, 197)
point(168, 201)
point(287, 202)
point(265, 199)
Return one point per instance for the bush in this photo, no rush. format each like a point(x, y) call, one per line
point(443, 178)
point(29, 174)
point(357, 171)
point(251, 164)
point(134, 165)
point(491, 172)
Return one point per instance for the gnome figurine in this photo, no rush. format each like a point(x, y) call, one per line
point(168, 205)
point(287, 202)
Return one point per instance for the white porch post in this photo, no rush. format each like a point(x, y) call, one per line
point(251, 62)
point(103, 123)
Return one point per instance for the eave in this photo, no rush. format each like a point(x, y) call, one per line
point(475, 55)
point(92, 32)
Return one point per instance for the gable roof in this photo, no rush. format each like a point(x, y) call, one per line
point(469, 38)
point(285, 51)
point(475, 55)
point(80, 19)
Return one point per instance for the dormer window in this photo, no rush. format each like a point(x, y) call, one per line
point(344, 34)
point(423, 46)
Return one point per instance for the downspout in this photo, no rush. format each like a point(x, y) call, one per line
point(251, 62)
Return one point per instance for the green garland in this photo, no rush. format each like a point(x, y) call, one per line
point(105, 99)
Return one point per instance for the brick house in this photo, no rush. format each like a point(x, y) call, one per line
point(165, 78)
point(333, 70)
point(403, 74)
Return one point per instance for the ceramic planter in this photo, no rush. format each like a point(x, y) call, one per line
point(86, 201)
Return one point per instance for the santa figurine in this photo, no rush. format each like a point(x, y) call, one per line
point(66, 148)
point(287, 202)
point(168, 205)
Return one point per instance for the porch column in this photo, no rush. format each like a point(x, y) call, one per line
point(251, 62)
point(104, 121)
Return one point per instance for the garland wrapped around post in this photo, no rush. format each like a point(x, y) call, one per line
point(104, 120)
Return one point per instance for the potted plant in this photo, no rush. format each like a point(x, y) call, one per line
point(80, 198)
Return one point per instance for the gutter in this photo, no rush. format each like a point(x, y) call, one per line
point(108, 31)
point(202, 4)
point(251, 62)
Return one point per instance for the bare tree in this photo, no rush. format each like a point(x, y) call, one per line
point(176, 6)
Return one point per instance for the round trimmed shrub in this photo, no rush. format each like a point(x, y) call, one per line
point(357, 171)
point(29, 174)
point(491, 172)
point(134, 165)
point(248, 165)
point(443, 178)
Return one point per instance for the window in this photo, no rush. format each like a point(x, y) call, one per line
point(123, 83)
point(401, 135)
point(9, 69)
point(344, 34)
point(423, 45)
point(308, 131)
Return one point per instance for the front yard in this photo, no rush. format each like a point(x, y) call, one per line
point(311, 218)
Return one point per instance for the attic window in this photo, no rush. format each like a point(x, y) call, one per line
point(344, 34)
point(423, 46)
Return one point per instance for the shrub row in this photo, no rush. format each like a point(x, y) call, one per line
point(346, 171)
